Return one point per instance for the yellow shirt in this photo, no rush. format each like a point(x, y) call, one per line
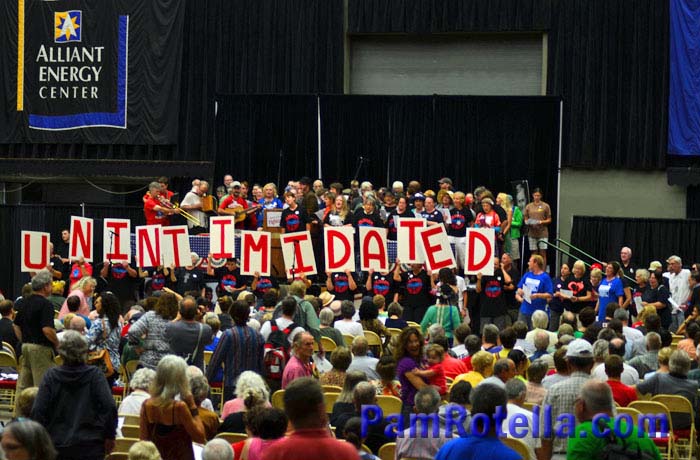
point(473, 377)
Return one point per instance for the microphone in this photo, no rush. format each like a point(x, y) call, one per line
point(112, 233)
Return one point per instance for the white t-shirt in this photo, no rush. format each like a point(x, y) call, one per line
point(190, 199)
point(678, 285)
point(349, 327)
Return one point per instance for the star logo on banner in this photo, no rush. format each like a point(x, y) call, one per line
point(67, 26)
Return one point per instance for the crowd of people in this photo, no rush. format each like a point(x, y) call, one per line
point(581, 342)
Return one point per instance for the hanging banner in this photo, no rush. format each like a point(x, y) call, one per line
point(93, 71)
point(340, 248)
point(222, 237)
point(256, 250)
point(81, 238)
point(373, 253)
point(436, 248)
point(116, 244)
point(148, 246)
point(481, 249)
point(407, 249)
point(298, 254)
point(36, 252)
point(175, 244)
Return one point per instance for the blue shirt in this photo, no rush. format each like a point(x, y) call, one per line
point(475, 447)
point(539, 284)
point(608, 291)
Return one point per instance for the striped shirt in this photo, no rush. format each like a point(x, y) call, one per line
point(240, 349)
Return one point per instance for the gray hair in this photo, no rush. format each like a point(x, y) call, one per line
point(154, 186)
point(171, 379)
point(142, 379)
point(200, 388)
point(540, 319)
point(144, 450)
point(217, 449)
point(679, 363)
point(41, 280)
point(33, 437)
point(435, 331)
point(73, 348)
point(541, 340)
point(360, 346)
point(597, 396)
point(653, 341)
point(364, 393)
point(326, 317)
point(600, 349)
point(250, 382)
point(515, 389)
point(643, 273)
point(622, 314)
point(502, 365)
point(427, 400)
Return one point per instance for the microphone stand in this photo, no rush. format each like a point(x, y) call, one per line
point(359, 166)
point(293, 270)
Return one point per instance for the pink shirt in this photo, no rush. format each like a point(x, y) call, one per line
point(235, 405)
point(295, 369)
point(300, 444)
point(84, 307)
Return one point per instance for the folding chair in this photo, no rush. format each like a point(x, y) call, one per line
point(517, 445)
point(661, 439)
point(387, 451)
point(277, 399)
point(374, 341)
point(330, 399)
point(328, 344)
point(232, 438)
point(389, 404)
point(685, 441)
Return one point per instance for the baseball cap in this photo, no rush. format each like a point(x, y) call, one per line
point(445, 180)
point(579, 348)
point(305, 180)
point(235, 184)
point(655, 265)
point(419, 196)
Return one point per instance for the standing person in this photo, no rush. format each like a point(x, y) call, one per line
point(34, 327)
point(444, 312)
point(233, 204)
point(269, 200)
point(537, 217)
point(293, 218)
point(229, 278)
point(152, 325)
point(192, 203)
point(401, 211)
point(105, 330)
point(679, 289)
point(240, 348)
point(626, 262)
point(338, 214)
point(120, 279)
point(172, 425)
point(300, 363)
point(75, 404)
point(534, 290)
point(418, 285)
point(154, 210)
point(657, 295)
point(341, 284)
point(409, 357)
point(84, 289)
point(516, 224)
point(380, 283)
point(461, 217)
point(512, 304)
point(433, 216)
point(609, 290)
point(579, 286)
point(187, 336)
point(492, 297)
point(559, 303)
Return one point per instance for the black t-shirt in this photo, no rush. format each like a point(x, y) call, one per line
point(660, 294)
point(265, 283)
point(360, 219)
point(435, 216)
point(341, 286)
point(158, 279)
point(461, 219)
point(229, 279)
point(189, 280)
point(502, 214)
point(580, 288)
point(491, 298)
point(293, 221)
point(391, 223)
point(514, 274)
point(382, 285)
point(120, 283)
point(36, 313)
point(417, 289)
point(694, 298)
point(557, 304)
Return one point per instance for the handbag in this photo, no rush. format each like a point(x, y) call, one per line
point(101, 358)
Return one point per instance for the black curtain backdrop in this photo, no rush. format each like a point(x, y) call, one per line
point(607, 60)
point(255, 134)
point(649, 239)
point(51, 219)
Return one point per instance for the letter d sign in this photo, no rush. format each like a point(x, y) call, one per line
point(481, 250)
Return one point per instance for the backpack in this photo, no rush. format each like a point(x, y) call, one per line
point(617, 449)
point(299, 317)
point(276, 352)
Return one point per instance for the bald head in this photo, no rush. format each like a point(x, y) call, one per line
point(77, 323)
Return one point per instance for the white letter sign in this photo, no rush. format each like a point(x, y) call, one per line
point(175, 243)
point(222, 243)
point(373, 252)
point(148, 246)
point(256, 248)
point(81, 233)
point(116, 242)
point(35, 251)
point(436, 247)
point(407, 240)
point(340, 248)
point(481, 250)
point(298, 254)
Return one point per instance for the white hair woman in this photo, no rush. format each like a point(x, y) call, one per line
point(139, 384)
point(84, 289)
point(170, 424)
point(248, 383)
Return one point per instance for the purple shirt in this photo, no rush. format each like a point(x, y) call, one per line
point(294, 370)
point(408, 391)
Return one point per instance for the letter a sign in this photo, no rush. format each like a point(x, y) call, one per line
point(481, 250)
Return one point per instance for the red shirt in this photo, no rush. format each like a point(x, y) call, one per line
point(453, 367)
point(230, 199)
point(468, 363)
point(622, 394)
point(310, 444)
point(154, 217)
point(438, 379)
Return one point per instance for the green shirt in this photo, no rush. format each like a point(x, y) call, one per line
point(447, 316)
point(516, 223)
point(590, 446)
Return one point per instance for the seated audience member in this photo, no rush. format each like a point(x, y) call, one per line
point(364, 394)
point(648, 361)
point(27, 439)
point(140, 383)
point(482, 365)
point(427, 403)
point(248, 383)
point(7, 332)
point(326, 317)
point(264, 426)
point(306, 410)
point(541, 345)
point(344, 406)
point(340, 359)
point(507, 339)
point(394, 319)
point(235, 421)
point(516, 391)
point(485, 400)
point(690, 343)
point(360, 360)
point(144, 450)
point(352, 433)
point(369, 320)
point(24, 402)
point(536, 392)
point(489, 339)
point(634, 337)
point(676, 382)
point(616, 347)
point(73, 304)
point(521, 364)
point(622, 394)
point(587, 318)
point(217, 449)
point(561, 367)
point(461, 333)
point(595, 397)
point(210, 419)
point(387, 384)
point(347, 325)
point(664, 356)
point(520, 328)
point(473, 345)
point(540, 320)
point(459, 395)
point(503, 370)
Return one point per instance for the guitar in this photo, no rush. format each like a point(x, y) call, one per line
point(239, 213)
